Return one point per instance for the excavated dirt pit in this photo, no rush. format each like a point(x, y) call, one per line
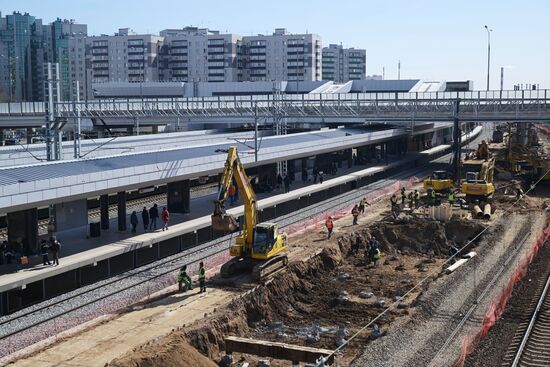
point(321, 301)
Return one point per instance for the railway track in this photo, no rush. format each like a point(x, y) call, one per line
point(530, 346)
point(34, 323)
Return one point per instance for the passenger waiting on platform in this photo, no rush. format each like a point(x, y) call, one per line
point(153, 215)
point(55, 247)
point(165, 218)
point(286, 182)
point(279, 181)
point(2, 248)
point(320, 177)
point(134, 221)
point(145, 218)
point(315, 174)
point(8, 252)
point(44, 249)
point(304, 175)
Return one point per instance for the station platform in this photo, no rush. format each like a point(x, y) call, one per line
point(115, 252)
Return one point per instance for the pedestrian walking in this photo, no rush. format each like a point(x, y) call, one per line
point(145, 218)
point(134, 221)
point(55, 247)
point(44, 250)
point(355, 213)
point(286, 182)
point(202, 277)
point(329, 223)
point(184, 280)
point(320, 177)
point(153, 215)
point(165, 218)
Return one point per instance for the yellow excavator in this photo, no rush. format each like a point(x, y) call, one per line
point(439, 181)
point(479, 179)
point(259, 247)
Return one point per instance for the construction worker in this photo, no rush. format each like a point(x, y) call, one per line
point(431, 196)
point(184, 280)
point(355, 213)
point(330, 225)
point(393, 201)
point(403, 197)
point(202, 277)
point(416, 198)
point(362, 204)
point(451, 197)
point(376, 256)
point(519, 193)
point(410, 197)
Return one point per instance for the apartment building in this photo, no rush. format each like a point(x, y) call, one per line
point(21, 58)
point(196, 54)
point(343, 64)
point(282, 56)
point(65, 44)
point(126, 56)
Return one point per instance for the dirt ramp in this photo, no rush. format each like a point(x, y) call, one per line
point(175, 352)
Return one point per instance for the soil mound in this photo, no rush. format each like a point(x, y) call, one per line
point(175, 352)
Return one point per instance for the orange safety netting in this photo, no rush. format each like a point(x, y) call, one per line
point(496, 308)
point(319, 220)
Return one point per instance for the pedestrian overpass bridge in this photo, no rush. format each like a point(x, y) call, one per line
point(513, 106)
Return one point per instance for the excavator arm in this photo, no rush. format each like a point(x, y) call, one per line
point(222, 221)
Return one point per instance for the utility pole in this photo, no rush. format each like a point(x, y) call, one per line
point(502, 78)
point(76, 129)
point(256, 132)
point(456, 144)
point(399, 70)
point(488, 54)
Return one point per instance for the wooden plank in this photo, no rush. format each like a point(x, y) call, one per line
point(263, 348)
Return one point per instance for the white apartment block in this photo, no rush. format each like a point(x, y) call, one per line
point(200, 55)
point(126, 56)
point(281, 56)
point(343, 64)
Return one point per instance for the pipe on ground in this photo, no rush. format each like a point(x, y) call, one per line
point(478, 212)
point(487, 211)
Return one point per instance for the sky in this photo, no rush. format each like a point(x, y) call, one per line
point(434, 40)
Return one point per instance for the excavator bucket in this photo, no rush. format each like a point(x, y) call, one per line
point(224, 222)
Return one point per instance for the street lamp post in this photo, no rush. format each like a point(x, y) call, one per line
point(488, 53)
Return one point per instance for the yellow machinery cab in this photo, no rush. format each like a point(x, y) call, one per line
point(439, 181)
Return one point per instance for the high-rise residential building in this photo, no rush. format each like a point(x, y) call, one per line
point(65, 44)
point(343, 64)
point(199, 54)
point(281, 56)
point(126, 56)
point(21, 58)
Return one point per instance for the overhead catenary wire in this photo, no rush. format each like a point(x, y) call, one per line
point(426, 278)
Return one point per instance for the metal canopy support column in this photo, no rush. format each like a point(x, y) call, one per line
point(456, 144)
point(121, 206)
point(104, 211)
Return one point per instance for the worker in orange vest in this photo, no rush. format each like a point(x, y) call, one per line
point(232, 194)
point(330, 225)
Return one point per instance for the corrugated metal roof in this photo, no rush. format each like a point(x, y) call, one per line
point(60, 169)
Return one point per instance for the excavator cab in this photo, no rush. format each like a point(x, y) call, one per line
point(265, 236)
point(439, 181)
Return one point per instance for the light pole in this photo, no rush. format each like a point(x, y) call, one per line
point(488, 53)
